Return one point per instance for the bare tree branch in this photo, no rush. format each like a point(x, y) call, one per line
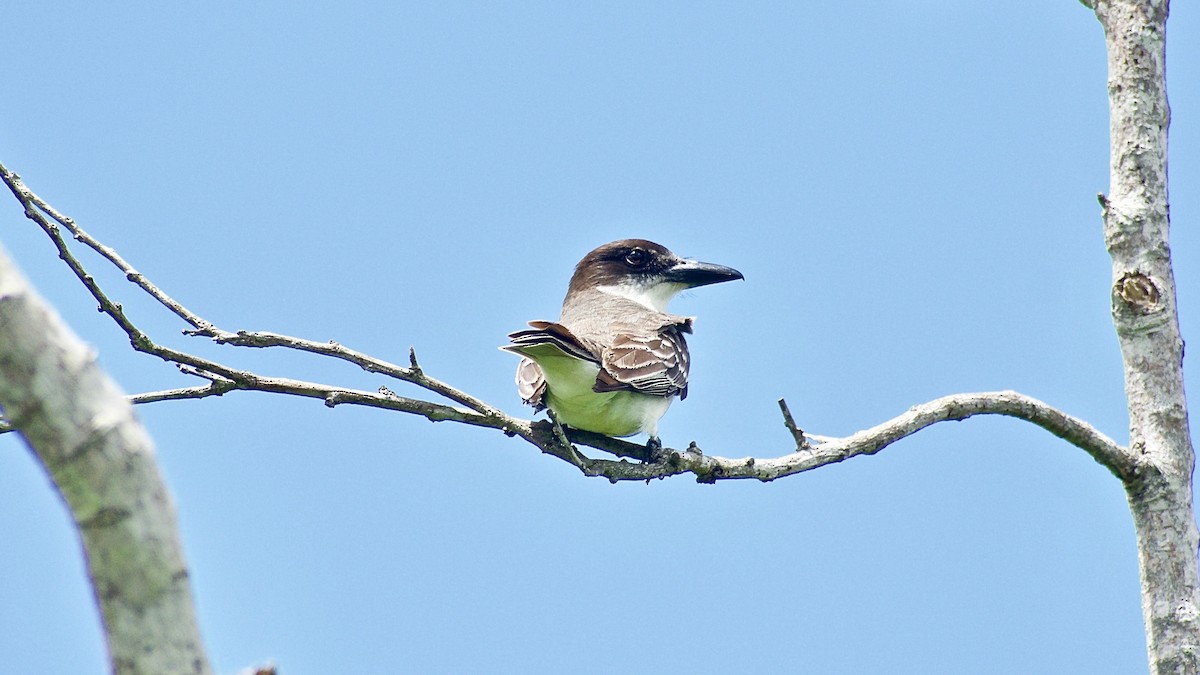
point(868, 442)
point(546, 436)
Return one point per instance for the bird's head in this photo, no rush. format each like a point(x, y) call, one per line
point(644, 272)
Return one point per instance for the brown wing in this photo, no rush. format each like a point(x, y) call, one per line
point(651, 363)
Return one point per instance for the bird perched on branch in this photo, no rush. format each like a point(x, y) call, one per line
point(615, 359)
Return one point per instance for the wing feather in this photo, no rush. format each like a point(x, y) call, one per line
point(654, 363)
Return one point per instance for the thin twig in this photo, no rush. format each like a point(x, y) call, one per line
point(37, 209)
point(790, 423)
point(107, 252)
point(570, 453)
point(199, 391)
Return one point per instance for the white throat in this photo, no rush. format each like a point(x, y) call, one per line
point(652, 296)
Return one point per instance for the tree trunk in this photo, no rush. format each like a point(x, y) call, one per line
point(1136, 227)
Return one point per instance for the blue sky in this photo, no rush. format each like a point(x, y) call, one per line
point(910, 193)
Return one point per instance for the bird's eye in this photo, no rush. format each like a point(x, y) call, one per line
point(636, 257)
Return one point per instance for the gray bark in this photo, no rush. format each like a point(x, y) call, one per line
point(84, 432)
point(1136, 227)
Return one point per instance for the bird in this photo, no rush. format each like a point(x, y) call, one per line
point(615, 359)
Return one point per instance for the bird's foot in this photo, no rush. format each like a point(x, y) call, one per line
point(654, 450)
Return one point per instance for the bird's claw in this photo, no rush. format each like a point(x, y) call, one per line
point(654, 450)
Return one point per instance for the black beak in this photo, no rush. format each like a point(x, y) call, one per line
point(693, 273)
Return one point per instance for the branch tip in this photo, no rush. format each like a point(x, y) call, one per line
point(790, 423)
